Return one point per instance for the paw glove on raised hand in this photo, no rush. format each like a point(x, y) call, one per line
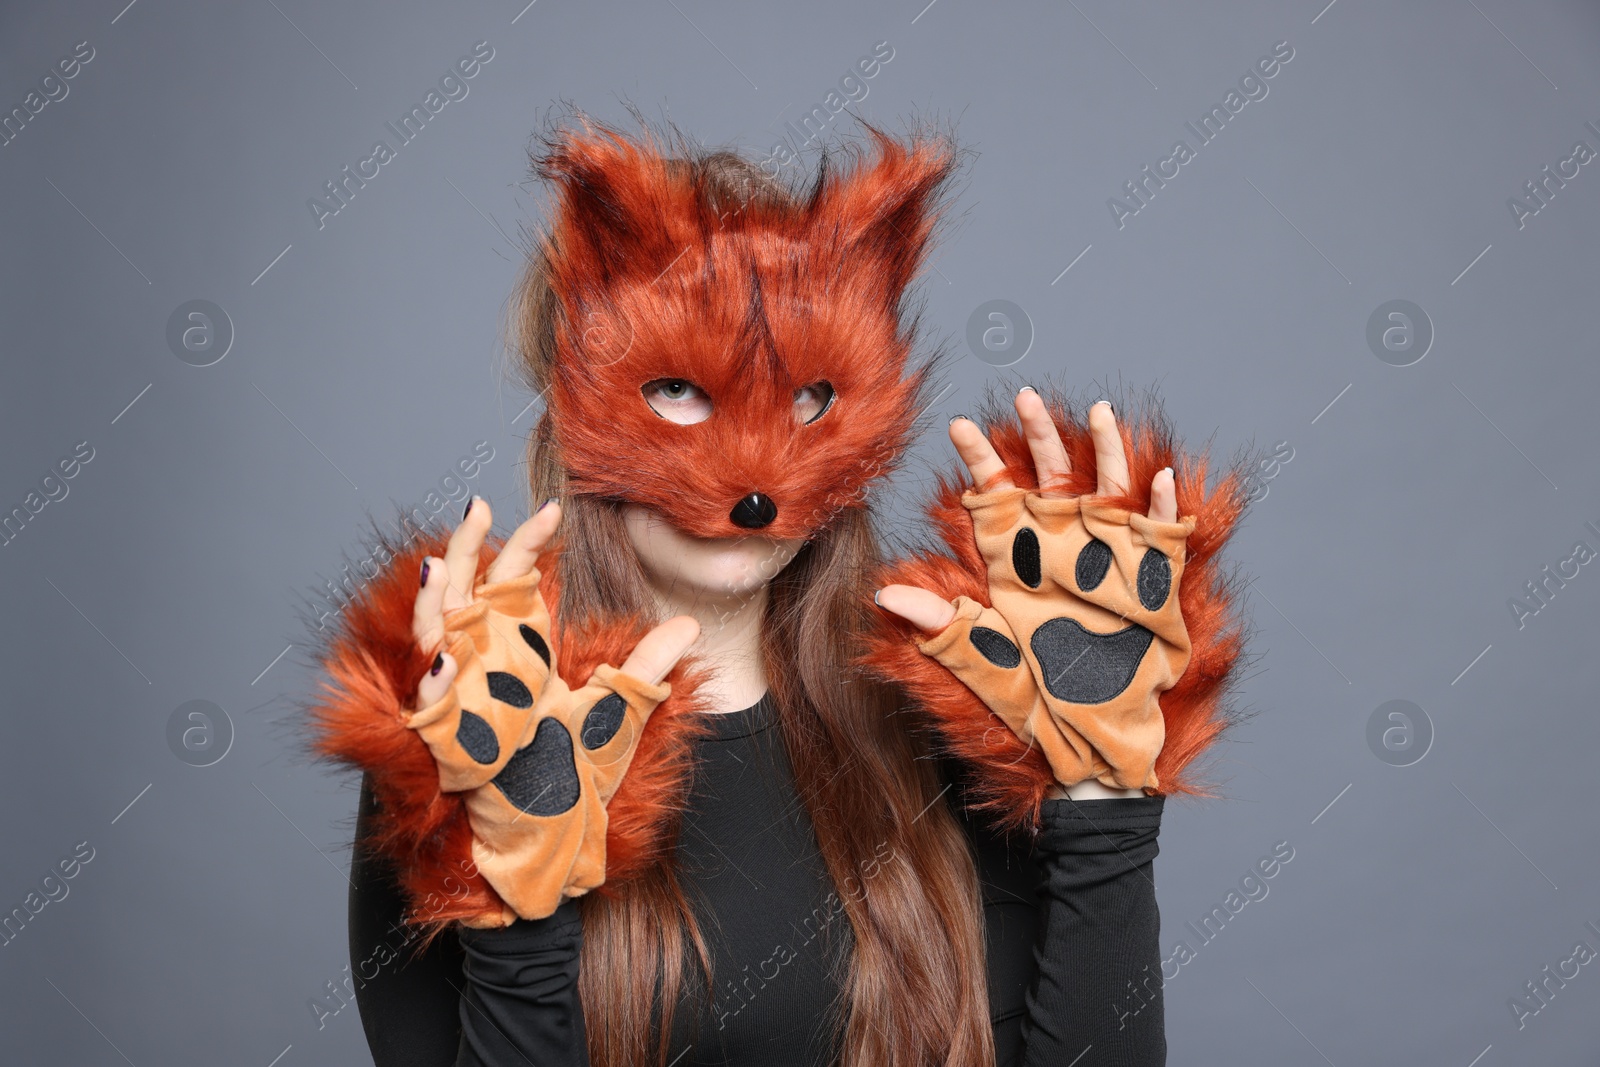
point(536, 760)
point(1084, 635)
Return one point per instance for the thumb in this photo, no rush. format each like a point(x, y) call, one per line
point(660, 649)
point(925, 610)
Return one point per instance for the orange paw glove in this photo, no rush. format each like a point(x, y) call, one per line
point(1077, 623)
point(1084, 635)
point(537, 761)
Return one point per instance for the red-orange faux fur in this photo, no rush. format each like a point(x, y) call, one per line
point(1011, 778)
point(373, 666)
point(749, 302)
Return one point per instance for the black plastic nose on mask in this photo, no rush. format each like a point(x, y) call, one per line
point(753, 512)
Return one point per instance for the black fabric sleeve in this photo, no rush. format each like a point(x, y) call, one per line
point(477, 998)
point(1096, 998)
point(408, 1005)
point(520, 1003)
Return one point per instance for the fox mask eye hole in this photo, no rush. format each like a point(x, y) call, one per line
point(677, 400)
point(812, 401)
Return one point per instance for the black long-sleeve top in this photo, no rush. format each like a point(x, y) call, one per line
point(1071, 938)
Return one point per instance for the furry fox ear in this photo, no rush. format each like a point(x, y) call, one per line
point(630, 208)
point(887, 210)
point(620, 212)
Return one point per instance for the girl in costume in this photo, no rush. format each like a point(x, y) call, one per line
point(685, 771)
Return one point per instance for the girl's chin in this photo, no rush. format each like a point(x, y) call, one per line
point(730, 564)
point(721, 566)
point(735, 564)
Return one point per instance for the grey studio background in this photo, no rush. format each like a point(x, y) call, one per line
point(1423, 485)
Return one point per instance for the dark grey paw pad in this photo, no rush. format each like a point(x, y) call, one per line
point(542, 779)
point(477, 737)
point(1155, 579)
point(1025, 558)
point(535, 641)
point(1094, 560)
point(603, 721)
point(508, 689)
point(995, 646)
point(1083, 667)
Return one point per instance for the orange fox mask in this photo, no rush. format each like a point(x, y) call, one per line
point(753, 303)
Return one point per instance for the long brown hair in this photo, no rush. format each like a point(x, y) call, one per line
point(915, 992)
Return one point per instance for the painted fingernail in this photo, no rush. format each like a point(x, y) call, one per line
point(875, 593)
point(1107, 403)
point(953, 418)
point(546, 504)
point(464, 514)
point(1026, 389)
point(424, 582)
point(438, 665)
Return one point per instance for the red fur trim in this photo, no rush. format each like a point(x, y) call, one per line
point(358, 720)
point(1014, 779)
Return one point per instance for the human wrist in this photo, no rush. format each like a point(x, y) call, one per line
point(562, 926)
point(1090, 789)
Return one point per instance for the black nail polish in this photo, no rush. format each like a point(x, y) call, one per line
point(546, 504)
point(953, 418)
point(424, 582)
point(464, 514)
point(1026, 389)
point(438, 665)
